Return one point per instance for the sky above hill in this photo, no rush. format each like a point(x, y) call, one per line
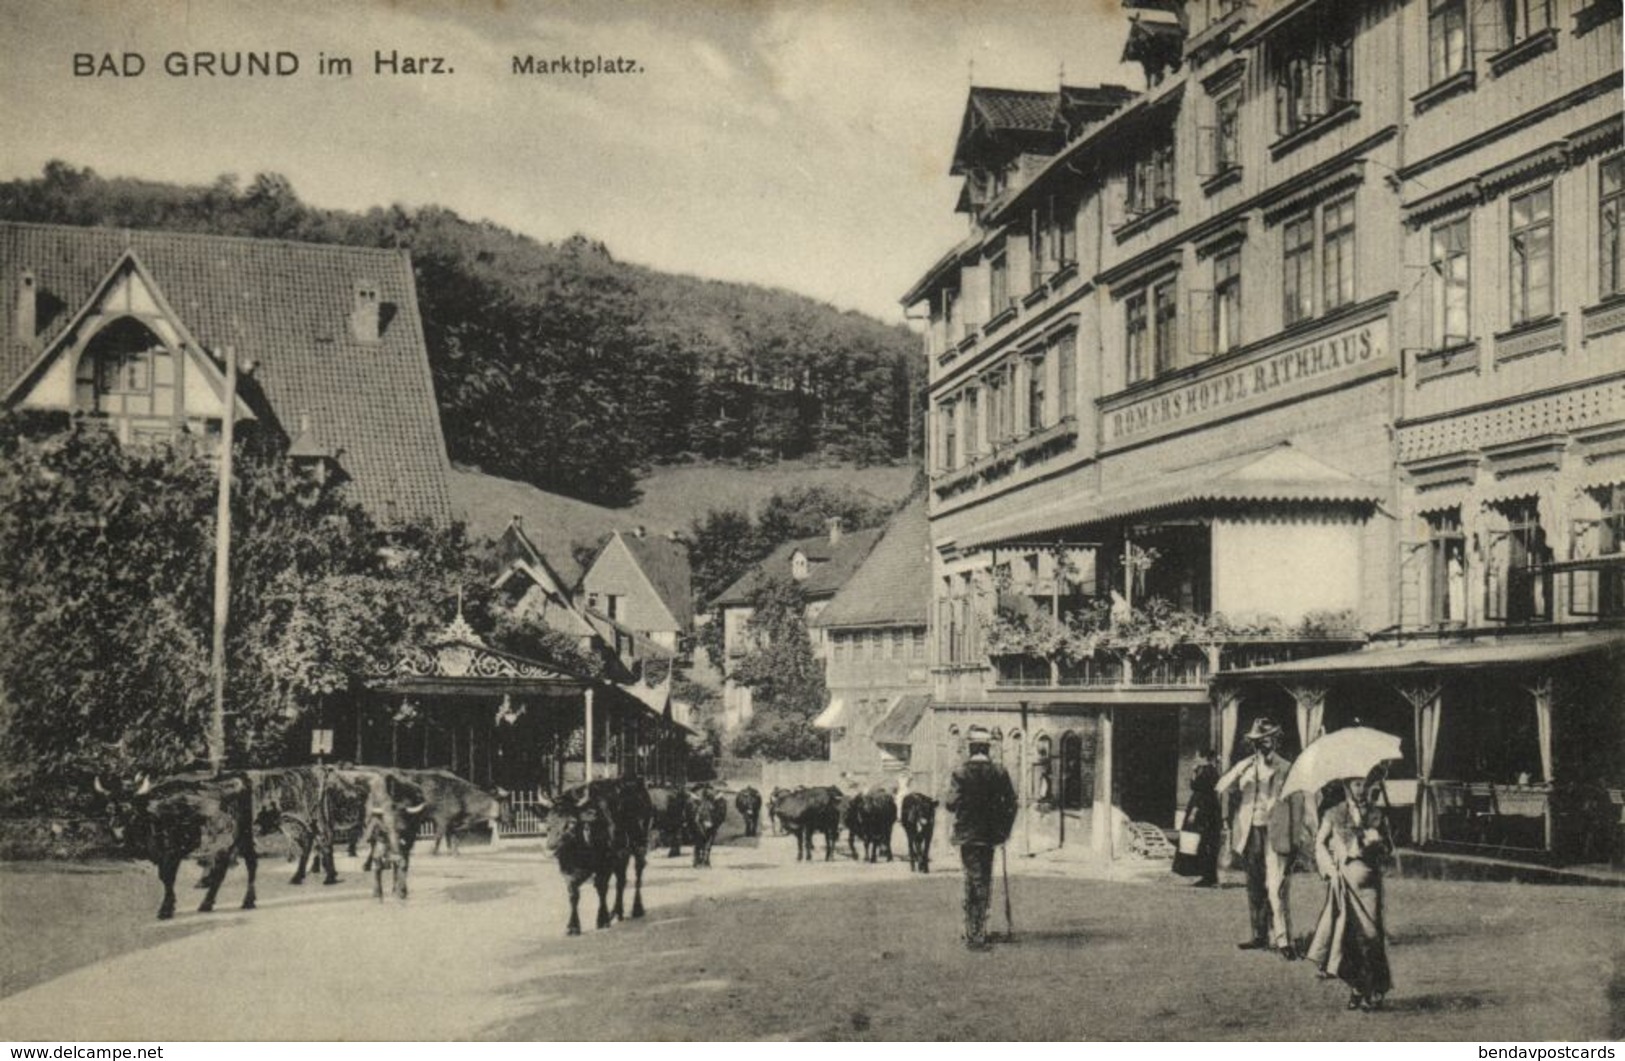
point(795, 144)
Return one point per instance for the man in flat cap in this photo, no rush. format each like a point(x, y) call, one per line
point(983, 803)
point(1260, 777)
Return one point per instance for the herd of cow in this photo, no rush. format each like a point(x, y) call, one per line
point(600, 831)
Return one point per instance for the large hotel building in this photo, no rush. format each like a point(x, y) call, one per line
point(1292, 386)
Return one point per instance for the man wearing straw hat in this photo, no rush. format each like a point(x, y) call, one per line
point(1260, 777)
point(983, 803)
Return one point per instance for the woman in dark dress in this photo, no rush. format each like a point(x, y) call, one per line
point(1204, 820)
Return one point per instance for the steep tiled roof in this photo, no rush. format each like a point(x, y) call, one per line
point(665, 562)
point(823, 579)
point(1014, 108)
point(286, 306)
point(893, 584)
point(898, 725)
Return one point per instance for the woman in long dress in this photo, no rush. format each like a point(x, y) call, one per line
point(1352, 849)
point(1203, 820)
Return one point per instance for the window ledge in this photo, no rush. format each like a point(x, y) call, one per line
point(1607, 316)
point(1222, 179)
point(1347, 111)
point(969, 342)
point(1141, 222)
point(1523, 51)
point(1529, 338)
point(1454, 85)
point(1446, 361)
point(1000, 319)
point(1067, 271)
point(1596, 14)
point(1038, 294)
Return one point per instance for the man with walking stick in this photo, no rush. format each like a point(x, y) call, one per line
point(983, 803)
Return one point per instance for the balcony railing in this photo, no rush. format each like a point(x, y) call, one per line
point(1187, 667)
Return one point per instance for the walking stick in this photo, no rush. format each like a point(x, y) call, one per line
point(1004, 868)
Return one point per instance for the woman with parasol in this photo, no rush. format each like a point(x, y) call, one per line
point(1352, 849)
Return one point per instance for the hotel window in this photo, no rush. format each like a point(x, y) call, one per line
point(1137, 333)
point(998, 284)
point(1609, 213)
point(919, 643)
point(1519, 581)
point(970, 401)
point(1451, 284)
point(950, 316)
point(993, 384)
point(1151, 178)
point(1447, 39)
point(1531, 264)
point(1036, 369)
point(1166, 321)
point(1447, 568)
point(1298, 261)
point(1227, 136)
point(1337, 253)
point(1523, 19)
point(1611, 542)
point(1227, 301)
point(1312, 82)
point(1066, 356)
point(950, 437)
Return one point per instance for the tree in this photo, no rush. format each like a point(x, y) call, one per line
point(785, 678)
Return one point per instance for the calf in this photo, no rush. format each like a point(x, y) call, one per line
point(706, 813)
point(595, 830)
point(806, 812)
point(209, 818)
point(749, 805)
point(870, 817)
point(919, 822)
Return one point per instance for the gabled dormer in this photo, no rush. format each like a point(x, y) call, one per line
point(125, 357)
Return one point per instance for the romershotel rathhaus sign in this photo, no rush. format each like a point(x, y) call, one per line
point(1268, 376)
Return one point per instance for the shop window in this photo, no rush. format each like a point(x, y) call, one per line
point(1448, 54)
point(1043, 783)
point(1530, 279)
point(1612, 246)
point(1451, 284)
point(1597, 589)
point(1447, 568)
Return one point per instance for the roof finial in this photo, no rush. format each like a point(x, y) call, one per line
point(459, 602)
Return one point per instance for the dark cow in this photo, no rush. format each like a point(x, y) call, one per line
point(394, 810)
point(919, 822)
point(806, 812)
point(293, 800)
point(670, 805)
point(870, 817)
point(774, 798)
point(455, 804)
point(595, 830)
point(211, 819)
point(707, 810)
point(749, 805)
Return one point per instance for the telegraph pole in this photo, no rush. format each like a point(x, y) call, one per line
point(222, 569)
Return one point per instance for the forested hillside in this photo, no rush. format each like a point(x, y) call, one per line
point(555, 364)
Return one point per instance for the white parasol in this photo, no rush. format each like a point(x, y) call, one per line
point(1351, 752)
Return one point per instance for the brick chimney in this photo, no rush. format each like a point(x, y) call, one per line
point(27, 316)
point(835, 530)
point(364, 314)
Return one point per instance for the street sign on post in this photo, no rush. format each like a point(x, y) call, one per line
point(321, 742)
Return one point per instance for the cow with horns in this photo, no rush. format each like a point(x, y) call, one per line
point(209, 818)
point(749, 805)
point(595, 830)
point(919, 822)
